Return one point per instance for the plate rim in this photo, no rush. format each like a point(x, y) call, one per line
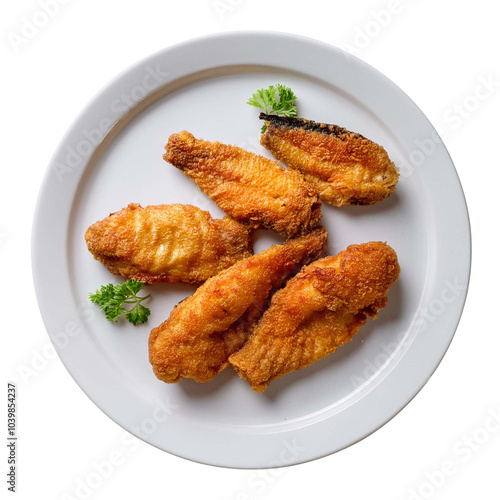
point(249, 37)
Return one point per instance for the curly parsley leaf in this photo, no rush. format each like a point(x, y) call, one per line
point(111, 299)
point(138, 314)
point(276, 99)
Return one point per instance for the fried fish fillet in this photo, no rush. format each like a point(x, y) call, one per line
point(345, 168)
point(206, 328)
point(318, 310)
point(248, 187)
point(174, 243)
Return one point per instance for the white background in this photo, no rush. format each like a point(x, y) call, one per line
point(438, 53)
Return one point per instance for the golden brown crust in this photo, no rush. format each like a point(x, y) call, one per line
point(319, 310)
point(171, 243)
point(206, 328)
point(248, 187)
point(345, 168)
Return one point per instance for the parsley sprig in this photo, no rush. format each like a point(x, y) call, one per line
point(111, 299)
point(276, 99)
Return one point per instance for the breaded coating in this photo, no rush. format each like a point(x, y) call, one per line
point(206, 328)
point(345, 168)
point(248, 187)
point(173, 243)
point(319, 310)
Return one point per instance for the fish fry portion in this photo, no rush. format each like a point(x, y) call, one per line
point(173, 243)
point(345, 168)
point(206, 328)
point(318, 311)
point(248, 187)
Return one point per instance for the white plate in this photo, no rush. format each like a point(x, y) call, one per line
point(112, 155)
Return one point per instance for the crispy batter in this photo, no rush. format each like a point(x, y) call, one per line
point(206, 328)
point(248, 187)
point(317, 311)
point(174, 243)
point(345, 168)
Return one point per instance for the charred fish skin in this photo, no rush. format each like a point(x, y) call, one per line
point(344, 167)
point(310, 126)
